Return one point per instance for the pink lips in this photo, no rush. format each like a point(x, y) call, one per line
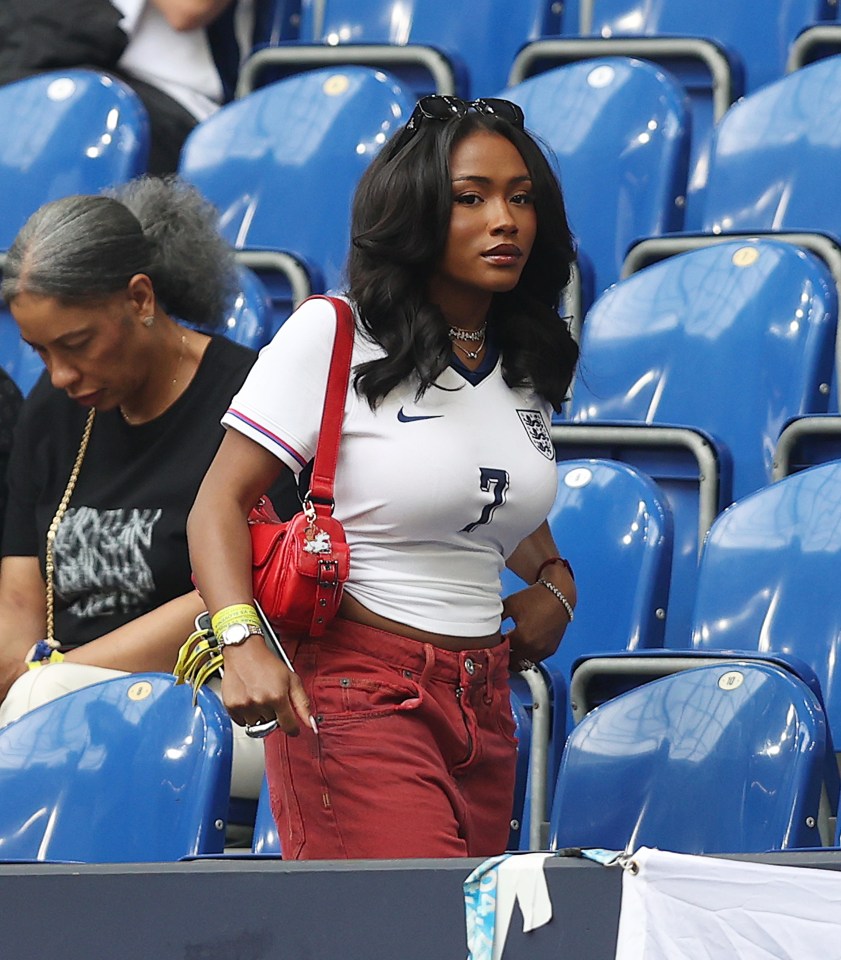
point(505, 254)
point(88, 399)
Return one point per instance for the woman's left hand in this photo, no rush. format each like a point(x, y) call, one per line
point(540, 621)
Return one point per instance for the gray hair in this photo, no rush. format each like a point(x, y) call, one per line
point(85, 248)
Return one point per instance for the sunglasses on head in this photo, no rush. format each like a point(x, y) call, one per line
point(437, 107)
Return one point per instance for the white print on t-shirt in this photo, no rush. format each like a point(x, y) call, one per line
point(101, 559)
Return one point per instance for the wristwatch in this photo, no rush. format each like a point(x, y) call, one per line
point(238, 633)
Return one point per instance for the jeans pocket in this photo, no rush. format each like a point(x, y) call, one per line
point(350, 699)
point(505, 719)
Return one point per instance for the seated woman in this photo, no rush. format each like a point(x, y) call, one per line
point(113, 440)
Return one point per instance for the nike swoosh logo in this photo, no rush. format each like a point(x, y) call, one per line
point(406, 418)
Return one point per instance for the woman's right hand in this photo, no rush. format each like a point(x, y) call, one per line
point(257, 687)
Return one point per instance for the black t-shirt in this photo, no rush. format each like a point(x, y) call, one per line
point(121, 549)
point(10, 404)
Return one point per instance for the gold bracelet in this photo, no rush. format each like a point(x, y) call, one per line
point(560, 597)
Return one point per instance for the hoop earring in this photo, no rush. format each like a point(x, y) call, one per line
point(148, 321)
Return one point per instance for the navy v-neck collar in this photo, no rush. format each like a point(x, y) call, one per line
point(486, 367)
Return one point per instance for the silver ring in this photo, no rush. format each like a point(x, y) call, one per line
point(260, 730)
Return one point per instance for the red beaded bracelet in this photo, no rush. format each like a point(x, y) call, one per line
point(546, 563)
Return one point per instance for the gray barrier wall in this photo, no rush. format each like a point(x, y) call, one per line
point(246, 909)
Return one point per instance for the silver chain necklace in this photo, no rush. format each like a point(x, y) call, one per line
point(471, 354)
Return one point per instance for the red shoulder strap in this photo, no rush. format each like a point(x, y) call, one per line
point(327, 451)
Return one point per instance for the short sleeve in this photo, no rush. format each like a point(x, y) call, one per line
point(279, 406)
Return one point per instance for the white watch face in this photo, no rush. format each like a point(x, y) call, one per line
point(236, 633)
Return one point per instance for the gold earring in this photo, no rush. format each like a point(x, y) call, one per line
point(148, 321)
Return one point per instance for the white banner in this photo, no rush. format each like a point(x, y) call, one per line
point(680, 907)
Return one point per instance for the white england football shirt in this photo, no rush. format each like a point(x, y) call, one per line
point(433, 494)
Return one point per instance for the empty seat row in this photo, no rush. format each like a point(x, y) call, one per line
point(283, 177)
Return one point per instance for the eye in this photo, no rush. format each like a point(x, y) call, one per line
point(467, 199)
point(74, 346)
point(525, 197)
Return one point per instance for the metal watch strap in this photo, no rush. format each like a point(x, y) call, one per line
point(249, 630)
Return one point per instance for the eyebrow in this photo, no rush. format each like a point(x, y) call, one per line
point(475, 178)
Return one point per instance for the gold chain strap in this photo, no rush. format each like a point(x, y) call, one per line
point(49, 562)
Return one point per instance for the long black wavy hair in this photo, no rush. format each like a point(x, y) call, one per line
point(400, 221)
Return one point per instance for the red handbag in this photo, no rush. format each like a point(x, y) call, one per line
point(302, 564)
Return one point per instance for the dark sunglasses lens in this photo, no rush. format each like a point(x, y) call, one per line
point(437, 107)
point(504, 109)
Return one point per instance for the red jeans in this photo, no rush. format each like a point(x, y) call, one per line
point(415, 752)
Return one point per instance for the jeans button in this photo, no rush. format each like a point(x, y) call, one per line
point(469, 666)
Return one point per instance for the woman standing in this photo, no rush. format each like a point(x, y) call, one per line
point(446, 471)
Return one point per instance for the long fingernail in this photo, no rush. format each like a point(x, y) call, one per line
point(313, 724)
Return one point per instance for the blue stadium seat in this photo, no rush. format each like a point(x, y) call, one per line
point(723, 758)
point(768, 580)
point(772, 163)
point(265, 840)
point(615, 527)
point(433, 46)
point(691, 366)
point(282, 165)
point(755, 36)
point(767, 589)
point(17, 358)
point(66, 132)
point(771, 170)
point(122, 771)
point(717, 52)
point(518, 837)
point(619, 129)
point(248, 319)
point(774, 156)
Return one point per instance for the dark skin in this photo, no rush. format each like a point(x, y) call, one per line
point(492, 230)
point(102, 354)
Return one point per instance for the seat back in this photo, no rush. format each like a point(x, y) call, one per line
point(717, 759)
point(480, 45)
point(282, 164)
point(730, 340)
point(276, 21)
point(17, 358)
point(768, 578)
point(66, 132)
point(733, 339)
point(757, 34)
point(248, 319)
point(774, 157)
point(615, 527)
point(124, 770)
point(619, 130)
